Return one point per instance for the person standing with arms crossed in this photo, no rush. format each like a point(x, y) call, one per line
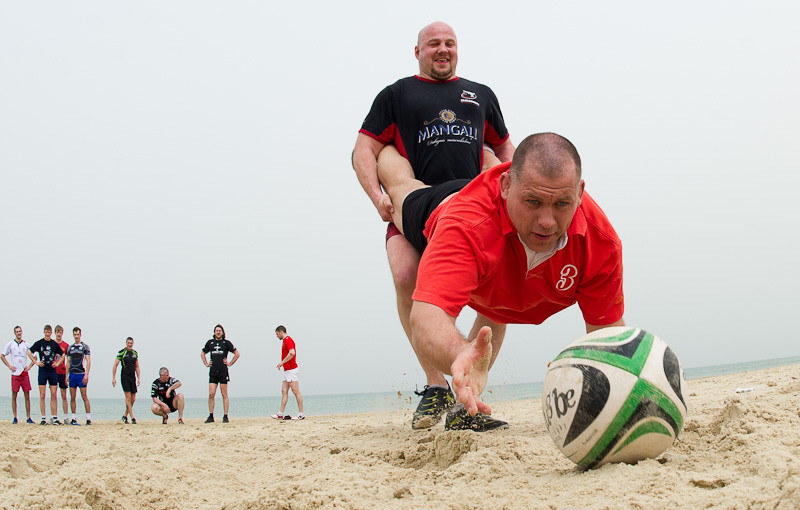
point(439, 124)
point(130, 377)
point(17, 349)
point(80, 362)
point(290, 380)
point(61, 371)
point(50, 355)
point(218, 347)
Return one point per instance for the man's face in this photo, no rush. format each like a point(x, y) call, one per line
point(77, 336)
point(541, 208)
point(437, 52)
point(164, 376)
point(129, 344)
point(47, 334)
point(18, 333)
point(280, 335)
point(59, 334)
point(218, 333)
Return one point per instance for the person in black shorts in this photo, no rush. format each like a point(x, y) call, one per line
point(50, 354)
point(218, 347)
point(438, 127)
point(165, 399)
point(129, 376)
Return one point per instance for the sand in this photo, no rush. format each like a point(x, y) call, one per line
point(736, 451)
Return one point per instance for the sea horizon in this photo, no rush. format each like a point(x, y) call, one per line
point(328, 404)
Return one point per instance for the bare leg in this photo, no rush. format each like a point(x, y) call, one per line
point(42, 394)
point(53, 401)
point(64, 401)
point(27, 395)
point(73, 392)
point(403, 261)
point(133, 401)
point(85, 398)
point(397, 178)
point(295, 386)
point(128, 404)
point(179, 403)
point(223, 388)
point(157, 410)
point(212, 392)
point(284, 395)
point(14, 403)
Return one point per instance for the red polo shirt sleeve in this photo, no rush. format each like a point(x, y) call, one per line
point(449, 269)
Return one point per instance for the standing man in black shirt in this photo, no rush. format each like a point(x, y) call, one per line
point(219, 348)
point(130, 377)
point(434, 125)
point(49, 357)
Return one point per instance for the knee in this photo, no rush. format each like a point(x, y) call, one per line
point(405, 279)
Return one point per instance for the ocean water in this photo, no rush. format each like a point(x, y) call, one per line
point(111, 409)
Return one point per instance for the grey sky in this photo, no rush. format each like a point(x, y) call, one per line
point(170, 166)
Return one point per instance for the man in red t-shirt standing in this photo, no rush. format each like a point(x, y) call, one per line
point(517, 244)
point(290, 380)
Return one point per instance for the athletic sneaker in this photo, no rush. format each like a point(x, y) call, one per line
point(225, 418)
point(277, 416)
point(301, 416)
point(435, 402)
point(54, 421)
point(74, 422)
point(164, 420)
point(133, 421)
point(180, 421)
point(125, 419)
point(460, 419)
point(210, 418)
point(14, 421)
point(43, 422)
point(88, 422)
point(30, 421)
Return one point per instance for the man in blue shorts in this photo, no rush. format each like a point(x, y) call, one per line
point(50, 354)
point(219, 348)
point(80, 362)
point(165, 399)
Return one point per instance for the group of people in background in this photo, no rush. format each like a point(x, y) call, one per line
point(63, 366)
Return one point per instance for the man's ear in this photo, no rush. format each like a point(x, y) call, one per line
point(505, 184)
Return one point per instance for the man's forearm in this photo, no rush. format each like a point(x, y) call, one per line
point(434, 336)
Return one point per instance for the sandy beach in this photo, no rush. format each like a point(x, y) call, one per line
point(738, 450)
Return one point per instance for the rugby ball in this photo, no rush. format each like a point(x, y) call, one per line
point(615, 395)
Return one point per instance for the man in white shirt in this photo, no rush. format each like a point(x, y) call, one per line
point(18, 352)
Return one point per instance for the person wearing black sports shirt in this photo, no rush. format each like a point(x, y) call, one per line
point(165, 399)
point(435, 126)
point(218, 348)
point(49, 357)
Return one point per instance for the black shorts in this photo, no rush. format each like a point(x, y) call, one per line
point(171, 403)
point(48, 377)
point(418, 206)
point(219, 376)
point(62, 381)
point(128, 382)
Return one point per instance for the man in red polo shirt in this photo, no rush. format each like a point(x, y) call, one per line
point(517, 244)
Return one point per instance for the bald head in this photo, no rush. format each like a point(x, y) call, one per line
point(437, 52)
point(436, 26)
point(549, 153)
